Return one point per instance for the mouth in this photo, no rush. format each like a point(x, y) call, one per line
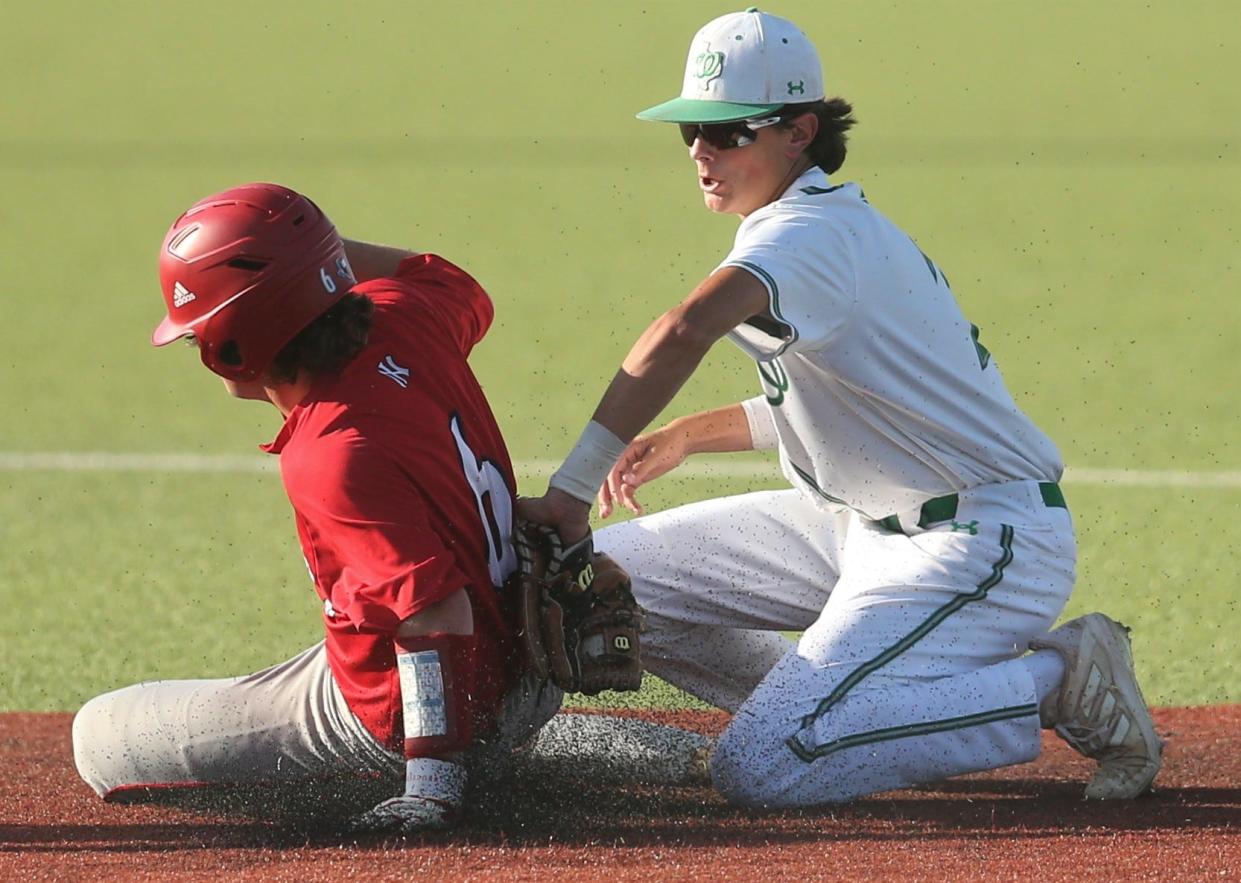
point(708, 184)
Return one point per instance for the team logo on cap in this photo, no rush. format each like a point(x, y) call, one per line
point(708, 66)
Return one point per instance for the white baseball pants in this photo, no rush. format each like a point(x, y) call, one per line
point(909, 669)
point(287, 724)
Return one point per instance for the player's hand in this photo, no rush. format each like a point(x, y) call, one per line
point(645, 459)
point(432, 801)
point(570, 516)
point(406, 815)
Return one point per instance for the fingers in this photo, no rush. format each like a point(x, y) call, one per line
point(405, 815)
point(627, 490)
point(638, 474)
point(648, 468)
point(618, 487)
point(607, 493)
point(614, 492)
point(611, 492)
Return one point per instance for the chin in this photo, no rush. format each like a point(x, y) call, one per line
point(252, 390)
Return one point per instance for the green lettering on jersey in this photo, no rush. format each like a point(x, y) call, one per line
point(936, 273)
point(984, 355)
point(775, 381)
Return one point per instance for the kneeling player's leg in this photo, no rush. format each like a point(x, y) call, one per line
point(910, 675)
point(280, 725)
point(718, 581)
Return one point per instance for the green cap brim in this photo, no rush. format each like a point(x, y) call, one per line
point(689, 110)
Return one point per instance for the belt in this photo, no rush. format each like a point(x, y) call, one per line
point(945, 508)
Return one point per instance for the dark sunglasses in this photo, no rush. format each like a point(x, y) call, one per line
point(726, 136)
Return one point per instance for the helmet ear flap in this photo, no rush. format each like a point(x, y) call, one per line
point(230, 354)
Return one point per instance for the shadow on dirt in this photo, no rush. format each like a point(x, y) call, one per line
point(536, 811)
point(47, 811)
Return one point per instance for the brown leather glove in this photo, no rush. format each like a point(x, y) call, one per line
point(580, 621)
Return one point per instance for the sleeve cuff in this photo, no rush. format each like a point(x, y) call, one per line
point(762, 425)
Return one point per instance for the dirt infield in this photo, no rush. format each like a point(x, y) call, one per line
point(1022, 822)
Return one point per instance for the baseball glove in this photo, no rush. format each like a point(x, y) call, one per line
point(579, 620)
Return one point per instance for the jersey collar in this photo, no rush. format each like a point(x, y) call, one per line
point(814, 177)
point(294, 419)
point(277, 445)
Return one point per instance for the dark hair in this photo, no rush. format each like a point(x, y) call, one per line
point(827, 150)
point(328, 343)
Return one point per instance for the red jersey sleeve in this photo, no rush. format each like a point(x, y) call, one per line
point(442, 291)
point(368, 539)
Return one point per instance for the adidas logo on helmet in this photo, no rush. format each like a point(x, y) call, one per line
point(181, 295)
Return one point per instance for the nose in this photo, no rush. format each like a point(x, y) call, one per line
point(700, 149)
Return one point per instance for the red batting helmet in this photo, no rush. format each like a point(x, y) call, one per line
point(243, 271)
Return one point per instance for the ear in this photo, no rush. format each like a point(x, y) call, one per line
point(802, 131)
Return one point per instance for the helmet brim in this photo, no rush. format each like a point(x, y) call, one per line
point(691, 110)
point(167, 331)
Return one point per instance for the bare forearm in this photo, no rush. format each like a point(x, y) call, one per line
point(718, 431)
point(453, 615)
point(654, 371)
point(656, 368)
point(371, 261)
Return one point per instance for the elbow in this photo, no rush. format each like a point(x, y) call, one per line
point(679, 331)
point(452, 615)
point(673, 342)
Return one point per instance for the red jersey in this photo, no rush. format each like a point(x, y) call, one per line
point(403, 490)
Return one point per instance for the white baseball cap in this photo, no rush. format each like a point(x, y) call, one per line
point(743, 65)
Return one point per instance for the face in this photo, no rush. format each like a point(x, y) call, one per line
point(740, 180)
point(236, 388)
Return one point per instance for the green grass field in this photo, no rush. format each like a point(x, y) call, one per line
point(1075, 169)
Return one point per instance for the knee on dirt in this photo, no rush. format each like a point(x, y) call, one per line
point(753, 766)
point(93, 748)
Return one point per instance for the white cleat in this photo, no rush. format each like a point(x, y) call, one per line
point(1100, 711)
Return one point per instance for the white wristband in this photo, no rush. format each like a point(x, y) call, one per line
point(583, 471)
point(763, 436)
point(440, 780)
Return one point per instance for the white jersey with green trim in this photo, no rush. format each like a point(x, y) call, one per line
point(881, 393)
